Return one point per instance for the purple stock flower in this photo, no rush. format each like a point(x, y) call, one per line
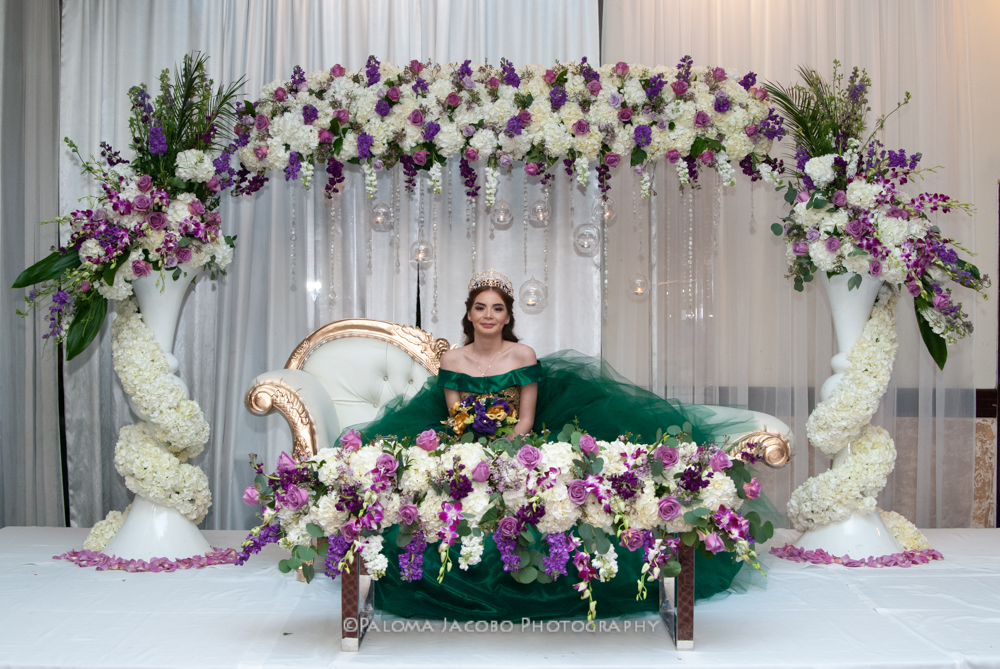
point(560, 545)
point(382, 108)
point(157, 141)
point(294, 165)
point(749, 80)
point(411, 560)
point(643, 135)
point(626, 485)
point(509, 73)
point(364, 145)
point(721, 102)
point(420, 86)
point(558, 97)
point(268, 534)
point(514, 126)
point(430, 130)
point(507, 547)
point(656, 85)
point(338, 547)
point(309, 114)
point(372, 71)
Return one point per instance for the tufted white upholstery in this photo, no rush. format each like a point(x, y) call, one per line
point(361, 375)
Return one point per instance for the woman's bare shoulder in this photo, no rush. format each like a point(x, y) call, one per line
point(453, 359)
point(524, 355)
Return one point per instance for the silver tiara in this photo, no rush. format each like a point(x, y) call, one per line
point(493, 279)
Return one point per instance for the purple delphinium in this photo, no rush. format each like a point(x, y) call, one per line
point(430, 130)
point(336, 171)
point(748, 81)
point(338, 547)
point(411, 560)
point(772, 127)
point(365, 142)
point(558, 97)
point(294, 165)
point(684, 69)
point(298, 78)
point(643, 135)
point(157, 141)
point(372, 71)
point(509, 73)
point(656, 85)
point(560, 546)
point(626, 485)
point(253, 544)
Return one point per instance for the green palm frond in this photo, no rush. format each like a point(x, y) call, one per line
point(805, 118)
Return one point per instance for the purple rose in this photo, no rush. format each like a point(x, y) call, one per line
point(529, 456)
point(812, 235)
point(578, 491)
point(914, 288)
point(280, 94)
point(261, 122)
point(855, 229)
point(183, 254)
point(506, 160)
point(612, 159)
point(453, 99)
point(875, 268)
point(524, 116)
point(508, 526)
point(141, 268)
point(416, 66)
point(701, 119)
point(214, 184)
point(719, 74)
point(481, 472)
point(471, 154)
point(337, 71)
point(350, 441)
point(616, 100)
point(408, 514)
point(260, 152)
point(594, 87)
point(145, 183)
point(342, 115)
point(493, 82)
point(286, 463)
point(531, 169)
point(141, 203)
point(720, 460)
point(625, 114)
point(800, 248)
point(428, 440)
point(707, 156)
point(350, 530)
point(420, 157)
point(713, 543)
point(549, 76)
point(752, 489)
point(668, 508)
point(387, 464)
point(393, 93)
point(416, 117)
point(750, 130)
point(468, 130)
point(942, 302)
point(325, 136)
point(581, 127)
point(296, 497)
point(840, 198)
point(673, 155)
point(631, 539)
point(589, 445)
point(832, 244)
point(251, 496)
point(378, 165)
point(679, 87)
point(621, 68)
point(759, 93)
point(802, 196)
point(196, 207)
point(667, 455)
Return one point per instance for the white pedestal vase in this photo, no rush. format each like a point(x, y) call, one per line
point(859, 536)
point(151, 529)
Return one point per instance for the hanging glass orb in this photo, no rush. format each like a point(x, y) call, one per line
point(381, 217)
point(587, 239)
point(538, 214)
point(421, 254)
point(604, 210)
point(502, 216)
point(638, 285)
point(533, 296)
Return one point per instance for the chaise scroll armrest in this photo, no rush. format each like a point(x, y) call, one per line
point(304, 403)
point(772, 436)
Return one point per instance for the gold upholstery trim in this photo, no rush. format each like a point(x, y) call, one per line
point(419, 345)
point(267, 397)
point(773, 448)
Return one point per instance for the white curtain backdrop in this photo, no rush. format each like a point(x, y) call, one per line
point(723, 325)
point(300, 260)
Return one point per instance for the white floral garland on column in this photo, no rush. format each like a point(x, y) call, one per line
point(150, 455)
point(845, 420)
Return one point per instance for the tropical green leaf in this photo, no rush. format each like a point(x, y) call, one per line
point(935, 343)
point(48, 268)
point(91, 309)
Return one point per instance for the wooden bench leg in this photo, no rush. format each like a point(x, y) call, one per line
point(357, 605)
point(677, 601)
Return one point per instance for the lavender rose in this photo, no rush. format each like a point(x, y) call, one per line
point(875, 268)
point(145, 183)
point(673, 155)
point(338, 70)
point(612, 159)
point(471, 154)
point(707, 157)
point(589, 445)
point(594, 87)
point(507, 527)
point(261, 123)
point(481, 472)
point(286, 463)
point(840, 198)
point(942, 302)
point(621, 68)
point(812, 235)
point(667, 455)
point(668, 508)
point(631, 539)
point(752, 489)
point(914, 288)
point(141, 203)
point(350, 530)
point(679, 87)
point(855, 229)
point(342, 115)
point(832, 244)
point(802, 196)
point(387, 464)
point(428, 440)
point(453, 99)
point(295, 497)
point(183, 254)
point(800, 248)
point(713, 543)
point(141, 268)
point(196, 207)
point(280, 94)
point(351, 441)
point(260, 152)
point(393, 93)
point(420, 157)
point(251, 496)
point(702, 119)
point(720, 461)
point(750, 130)
point(529, 456)
point(408, 514)
point(581, 127)
point(531, 169)
point(625, 114)
point(578, 491)
point(416, 117)
point(214, 184)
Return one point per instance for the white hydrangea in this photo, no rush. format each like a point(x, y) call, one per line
point(194, 165)
point(820, 169)
point(862, 194)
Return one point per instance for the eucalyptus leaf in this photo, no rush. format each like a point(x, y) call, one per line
point(403, 540)
point(778, 229)
point(673, 430)
point(308, 572)
point(315, 530)
point(284, 567)
point(670, 569)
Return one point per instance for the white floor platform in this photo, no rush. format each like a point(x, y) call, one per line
point(54, 614)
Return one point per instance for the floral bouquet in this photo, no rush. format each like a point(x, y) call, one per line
point(545, 504)
point(486, 415)
point(422, 114)
point(849, 212)
point(155, 213)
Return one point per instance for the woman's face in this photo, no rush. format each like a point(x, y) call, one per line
point(488, 314)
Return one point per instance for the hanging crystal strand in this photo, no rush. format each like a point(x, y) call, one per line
point(690, 254)
point(545, 196)
point(525, 210)
point(368, 231)
point(716, 213)
point(334, 219)
point(291, 237)
point(395, 217)
point(636, 226)
point(451, 190)
point(753, 220)
point(437, 256)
